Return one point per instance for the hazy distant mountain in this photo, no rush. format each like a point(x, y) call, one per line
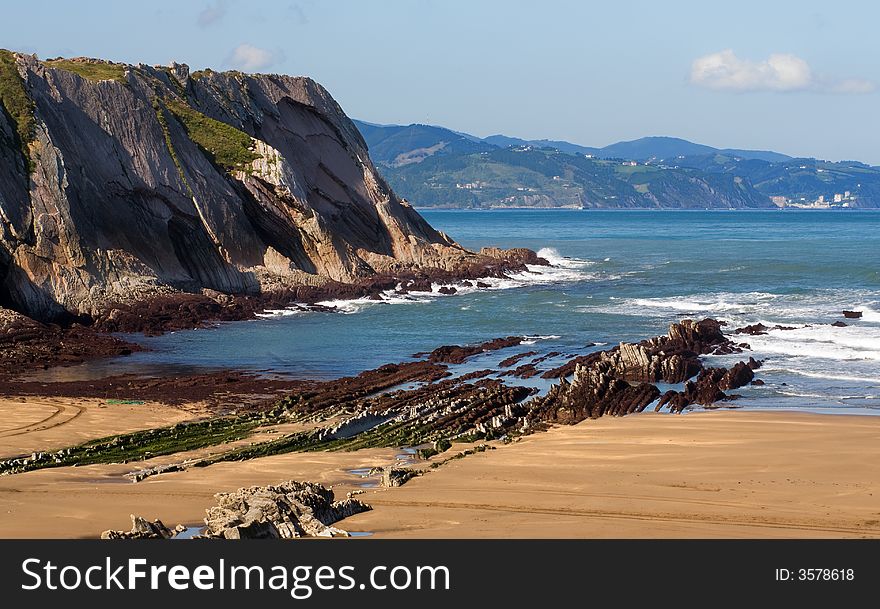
point(503, 141)
point(541, 177)
point(398, 145)
point(434, 166)
point(668, 148)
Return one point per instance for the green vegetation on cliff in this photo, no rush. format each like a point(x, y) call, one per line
point(227, 146)
point(16, 102)
point(90, 70)
point(163, 122)
point(533, 177)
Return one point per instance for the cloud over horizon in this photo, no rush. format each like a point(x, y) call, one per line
point(249, 58)
point(780, 72)
point(213, 13)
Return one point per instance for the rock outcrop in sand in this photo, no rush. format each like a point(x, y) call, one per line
point(288, 510)
point(130, 182)
point(141, 528)
point(284, 511)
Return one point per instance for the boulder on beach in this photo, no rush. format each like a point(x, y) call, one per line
point(288, 510)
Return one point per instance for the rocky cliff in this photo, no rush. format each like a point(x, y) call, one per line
point(123, 182)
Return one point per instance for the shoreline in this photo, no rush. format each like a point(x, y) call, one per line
point(710, 474)
point(77, 338)
point(182, 439)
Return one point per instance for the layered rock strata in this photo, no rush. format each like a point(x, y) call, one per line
point(121, 184)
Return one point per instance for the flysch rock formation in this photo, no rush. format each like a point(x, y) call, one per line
point(284, 511)
point(141, 528)
point(128, 182)
point(620, 380)
point(288, 510)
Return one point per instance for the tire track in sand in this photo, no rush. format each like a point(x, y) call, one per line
point(64, 413)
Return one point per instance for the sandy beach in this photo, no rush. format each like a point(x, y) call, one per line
point(704, 474)
point(29, 424)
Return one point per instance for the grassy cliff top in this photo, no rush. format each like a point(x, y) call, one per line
point(227, 146)
point(16, 102)
point(90, 69)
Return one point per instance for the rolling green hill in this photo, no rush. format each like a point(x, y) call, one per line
point(437, 167)
point(397, 145)
point(529, 177)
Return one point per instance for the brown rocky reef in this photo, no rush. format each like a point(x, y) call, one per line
point(420, 404)
point(125, 183)
point(621, 380)
point(27, 344)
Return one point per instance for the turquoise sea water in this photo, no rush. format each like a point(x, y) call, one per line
point(617, 276)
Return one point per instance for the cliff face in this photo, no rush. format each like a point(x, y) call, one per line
point(137, 180)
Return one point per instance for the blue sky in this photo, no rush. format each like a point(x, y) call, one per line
point(797, 77)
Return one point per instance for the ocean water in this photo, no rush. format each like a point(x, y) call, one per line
point(617, 276)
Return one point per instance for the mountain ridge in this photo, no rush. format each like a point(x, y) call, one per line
point(651, 172)
point(641, 149)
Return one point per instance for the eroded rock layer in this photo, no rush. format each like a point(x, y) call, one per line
point(120, 183)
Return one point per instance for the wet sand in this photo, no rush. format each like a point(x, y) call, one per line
point(29, 424)
point(707, 474)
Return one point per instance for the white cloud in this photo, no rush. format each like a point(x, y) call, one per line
point(249, 58)
point(779, 72)
point(853, 85)
point(213, 13)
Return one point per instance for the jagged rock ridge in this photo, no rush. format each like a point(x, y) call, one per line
point(147, 180)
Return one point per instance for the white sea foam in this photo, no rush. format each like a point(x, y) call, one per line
point(824, 375)
point(724, 302)
point(562, 269)
point(821, 342)
point(279, 312)
point(531, 340)
point(869, 313)
point(753, 307)
point(355, 305)
point(552, 256)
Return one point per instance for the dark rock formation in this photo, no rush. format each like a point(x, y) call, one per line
point(526, 371)
point(455, 354)
point(593, 392)
point(672, 358)
point(852, 314)
point(840, 324)
point(760, 329)
point(288, 510)
point(26, 344)
point(620, 380)
point(513, 359)
point(740, 375)
point(708, 388)
point(142, 529)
